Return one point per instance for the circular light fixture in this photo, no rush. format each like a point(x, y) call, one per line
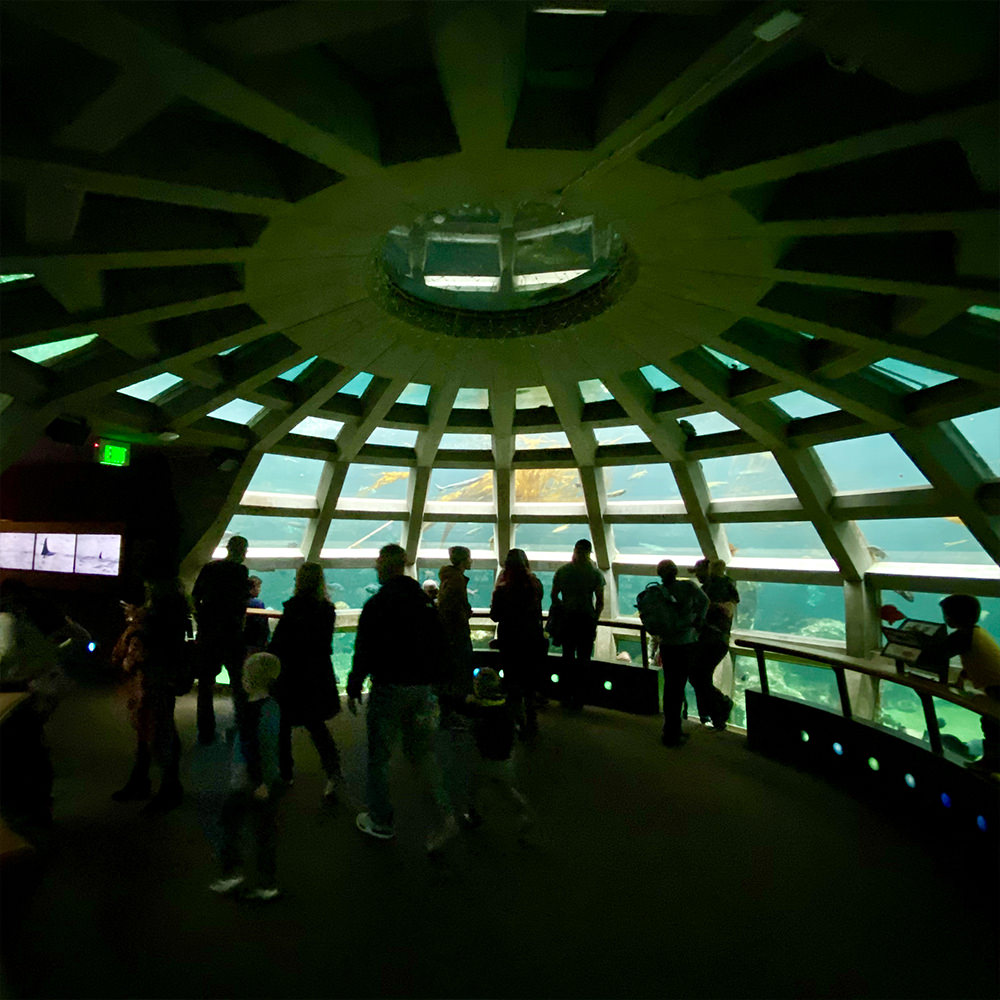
point(554, 678)
point(838, 749)
point(804, 736)
point(607, 685)
point(911, 782)
point(946, 800)
point(873, 763)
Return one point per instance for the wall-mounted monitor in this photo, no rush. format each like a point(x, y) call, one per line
point(47, 547)
point(17, 549)
point(98, 555)
point(54, 552)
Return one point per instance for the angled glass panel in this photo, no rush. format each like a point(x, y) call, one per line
point(551, 439)
point(267, 532)
point(40, 353)
point(923, 540)
point(287, 474)
point(727, 360)
point(625, 484)
point(987, 312)
point(667, 541)
point(593, 390)
point(801, 609)
point(382, 482)
point(547, 486)
point(415, 394)
point(346, 533)
point(442, 534)
point(899, 709)
point(358, 384)
point(961, 729)
point(394, 436)
point(814, 685)
point(474, 442)
point(775, 540)
point(6, 278)
point(799, 404)
point(982, 431)
point(911, 375)
point(710, 423)
point(532, 396)
point(461, 486)
point(656, 379)
point(463, 282)
point(151, 387)
point(348, 588)
point(237, 411)
point(228, 350)
point(620, 435)
point(868, 463)
point(318, 427)
point(549, 537)
point(471, 255)
point(472, 399)
point(276, 586)
point(756, 475)
point(293, 373)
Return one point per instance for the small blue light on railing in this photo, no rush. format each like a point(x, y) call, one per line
point(554, 678)
point(946, 800)
point(911, 782)
point(91, 647)
point(805, 736)
point(981, 823)
point(607, 685)
point(838, 749)
point(500, 673)
point(475, 673)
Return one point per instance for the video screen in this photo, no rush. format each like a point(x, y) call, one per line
point(17, 549)
point(54, 553)
point(98, 555)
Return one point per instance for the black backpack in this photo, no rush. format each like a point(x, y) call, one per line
point(661, 613)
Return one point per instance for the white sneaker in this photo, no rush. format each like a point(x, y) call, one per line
point(223, 886)
point(440, 837)
point(366, 824)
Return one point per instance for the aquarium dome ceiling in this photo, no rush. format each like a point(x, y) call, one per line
point(692, 230)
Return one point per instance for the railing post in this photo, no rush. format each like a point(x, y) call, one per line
point(930, 719)
point(762, 670)
point(845, 698)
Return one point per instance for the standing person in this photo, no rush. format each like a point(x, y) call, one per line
point(256, 632)
point(400, 645)
point(253, 784)
point(673, 612)
point(220, 600)
point(713, 640)
point(980, 656)
point(578, 599)
point(517, 608)
point(307, 689)
point(150, 652)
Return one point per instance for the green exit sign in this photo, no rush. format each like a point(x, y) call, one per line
point(113, 452)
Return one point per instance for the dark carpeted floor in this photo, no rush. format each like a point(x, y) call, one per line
point(704, 872)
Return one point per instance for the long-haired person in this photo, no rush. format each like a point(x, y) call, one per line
point(306, 689)
point(516, 607)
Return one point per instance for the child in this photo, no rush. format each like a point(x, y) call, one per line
point(254, 777)
point(980, 666)
point(493, 731)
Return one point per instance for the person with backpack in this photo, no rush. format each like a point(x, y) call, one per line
point(713, 641)
point(673, 612)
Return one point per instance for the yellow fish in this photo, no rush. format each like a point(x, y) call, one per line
point(562, 527)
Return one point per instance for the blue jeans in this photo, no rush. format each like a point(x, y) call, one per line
point(410, 711)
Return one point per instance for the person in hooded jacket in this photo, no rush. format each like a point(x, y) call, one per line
point(306, 689)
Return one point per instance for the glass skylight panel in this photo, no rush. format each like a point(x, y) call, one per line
point(794, 609)
point(463, 283)
point(549, 537)
point(460, 486)
point(924, 540)
point(913, 376)
point(545, 279)
point(799, 404)
point(982, 431)
point(472, 399)
point(528, 397)
point(667, 541)
point(5, 278)
point(287, 474)
point(593, 390)
point(656, 379)
point(40, 353)
point(381, 482)
point(347, 533)
point(466, 442)
point(462, 254)
point(358, 384)
point(266, 532)
point(393, 436)
point(151, 387)
point(987, 312)
point(237, 411)
point(529, 442)
point(415, 394)
point(868, 463)
point(474, 535)
point(547, 486)
point(710, 423)
point(620, 435)
point(318, 427)
point(776, 540)
point(727, 360)
point(629, 483)
point(293, 373)
point(755, 475)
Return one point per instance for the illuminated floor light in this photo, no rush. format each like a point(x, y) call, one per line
point(91, 646)
point(805, 736)
point(911, 782)
point(981, 823)
point(607, 685)
point(475, 673)
point(946, 800)
point(554, 678)
point(500, 673)
point(838, 749)
point(873, 763)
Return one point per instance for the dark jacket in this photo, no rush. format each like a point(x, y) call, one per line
point(400, 638)
point(306, 688)
point(517, 608)
point(220, 598)
point(492, 727)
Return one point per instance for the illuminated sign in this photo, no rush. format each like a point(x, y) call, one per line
point(113, 452)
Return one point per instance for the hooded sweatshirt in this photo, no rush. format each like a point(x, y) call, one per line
point(453, 602)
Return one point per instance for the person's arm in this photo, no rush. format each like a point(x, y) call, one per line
point(699, 605)
point(362, 659)
point(599, 599)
